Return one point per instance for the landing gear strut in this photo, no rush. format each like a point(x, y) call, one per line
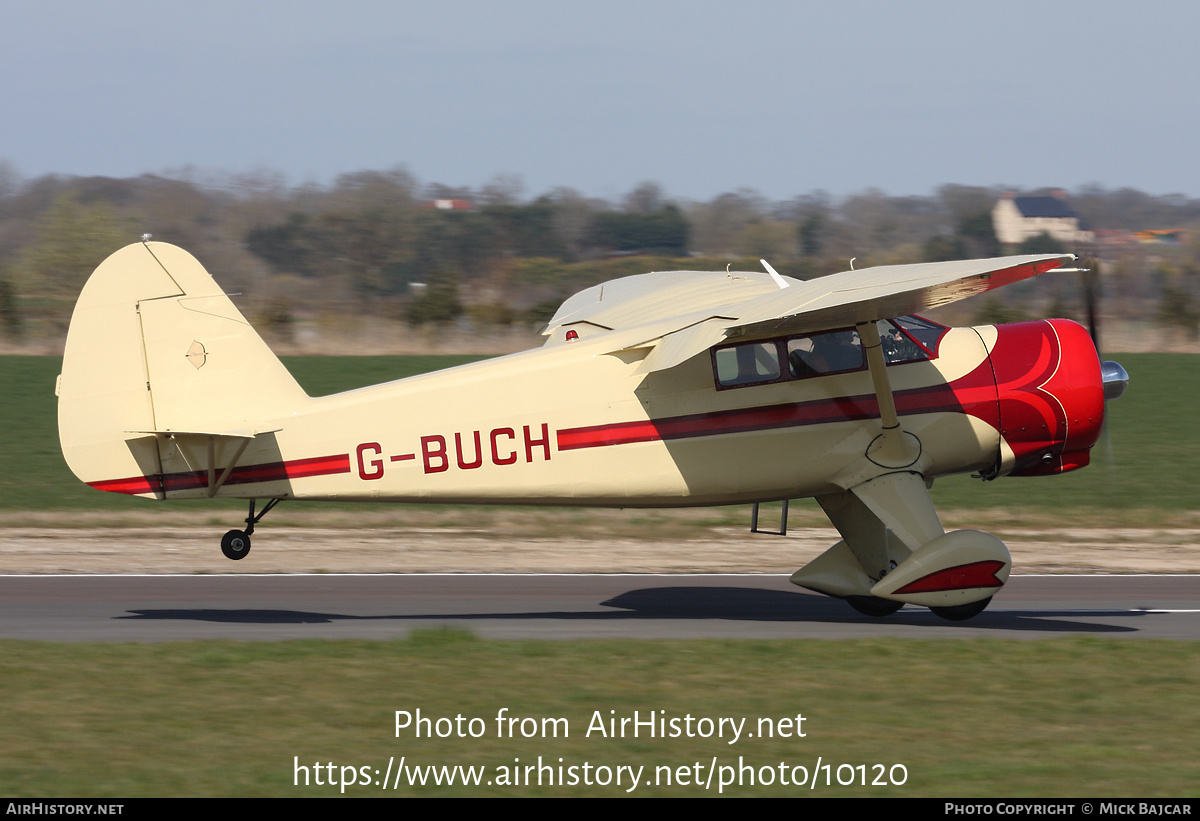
point(236, 543)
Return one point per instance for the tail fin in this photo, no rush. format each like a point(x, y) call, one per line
point(155, 346)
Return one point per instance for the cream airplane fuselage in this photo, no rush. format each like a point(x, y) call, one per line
point(572, 425)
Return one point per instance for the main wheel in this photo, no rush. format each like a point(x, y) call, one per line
point(873, 605)
point(235, 545)
point(962, 612)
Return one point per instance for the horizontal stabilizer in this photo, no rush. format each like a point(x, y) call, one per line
point(217, 434)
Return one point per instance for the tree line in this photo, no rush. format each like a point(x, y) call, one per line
point(383, 244)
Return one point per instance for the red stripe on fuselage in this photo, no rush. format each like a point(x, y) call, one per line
point(190, 480)
point(132, 486)
point(973, 394)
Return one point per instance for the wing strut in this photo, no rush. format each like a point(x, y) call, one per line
point(893, 448)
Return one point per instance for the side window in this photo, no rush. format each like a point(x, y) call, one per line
point(747, 364)
point(910, 339)
point(905, 339)
point(835, 352)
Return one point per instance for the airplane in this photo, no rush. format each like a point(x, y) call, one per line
point(681, 388)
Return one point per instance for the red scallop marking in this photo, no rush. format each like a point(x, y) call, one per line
point(976, 574)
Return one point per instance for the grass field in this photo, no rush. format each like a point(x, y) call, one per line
point(1139, 473)
point(1056, 717)
point(1060, 717)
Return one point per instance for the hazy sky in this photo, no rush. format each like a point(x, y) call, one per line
point(703, 97)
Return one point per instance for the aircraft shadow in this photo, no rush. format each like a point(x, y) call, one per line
point(688, 603)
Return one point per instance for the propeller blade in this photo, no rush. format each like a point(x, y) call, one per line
point(1091, 276)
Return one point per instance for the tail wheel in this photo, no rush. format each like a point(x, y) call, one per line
point(962, 612)
point(874, 606)
point(235, 545)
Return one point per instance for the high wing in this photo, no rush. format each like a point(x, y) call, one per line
point(705, 308)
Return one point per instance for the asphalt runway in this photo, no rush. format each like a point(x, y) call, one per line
point(247, 607)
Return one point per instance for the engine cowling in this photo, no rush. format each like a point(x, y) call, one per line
point(1050, 394)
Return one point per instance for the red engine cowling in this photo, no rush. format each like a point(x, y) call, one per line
point(1051, 395)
